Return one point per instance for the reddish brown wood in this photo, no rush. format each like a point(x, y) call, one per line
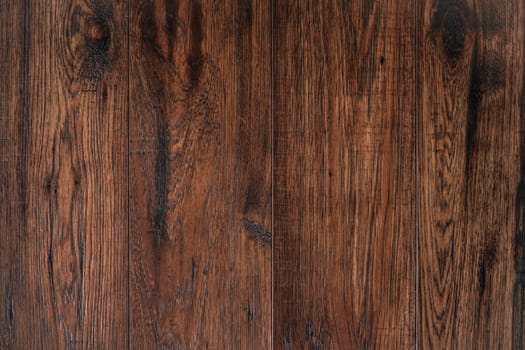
point(344, 174)
point(63, 177)
point(470, 200)
point(249, 174)
point(200, 174)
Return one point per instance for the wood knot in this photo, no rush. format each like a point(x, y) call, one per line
point(96, 50)
point(98, 37)
point(195, 65)
point(97, 31)
point(454, 32)
point(50, 186)
point(452, 24)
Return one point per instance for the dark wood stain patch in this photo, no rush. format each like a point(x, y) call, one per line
point(453, 22)
point(257, 232)
point(195, 57)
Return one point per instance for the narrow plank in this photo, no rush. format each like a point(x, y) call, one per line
point(517, 78)
point(65, 282)
point(200, 161)
point(13, 140)
point(471, 197)
point(344, 174)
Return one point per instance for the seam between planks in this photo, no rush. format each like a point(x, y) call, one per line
point(128, 170)
point(272, 136)
point(416, 170)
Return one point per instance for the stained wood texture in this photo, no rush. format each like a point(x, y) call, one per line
point(344, 174)
point(471, 168)
point(200, 175)
point(63, 149)
point(246, 174)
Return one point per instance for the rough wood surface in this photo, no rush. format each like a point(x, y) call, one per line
point(344, 170)
point(241, 174)
point(471, 196)
point(64, 183)
point(200, 176)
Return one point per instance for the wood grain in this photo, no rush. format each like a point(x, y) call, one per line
point(64, 192)
point(200, 175)
point(344, 171)
point(471, 183)
point(13, 140)
point(241, 174)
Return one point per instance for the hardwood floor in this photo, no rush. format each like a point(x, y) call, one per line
point(64, 175)
point(288, 174)
point(200, 175)
point(470, 193)
point(344, 166)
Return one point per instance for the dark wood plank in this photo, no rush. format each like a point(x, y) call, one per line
point(64, 188)
point(471, 197)
point(344, 174)
point(13, 140)
point(200, 174)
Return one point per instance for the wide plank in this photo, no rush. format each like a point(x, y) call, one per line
point(344, 174)
point(64, 187)
point(200, 174)
point(471, 161)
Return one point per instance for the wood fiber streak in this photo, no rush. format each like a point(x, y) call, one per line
point(344, 172)
point(471, 197)
point(200, 174)
point(63, 176)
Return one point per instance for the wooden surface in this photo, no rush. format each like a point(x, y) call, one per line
point(64, 185)
point(200, 162)
point(471, 200)
point(344, 168)
point(249, 174)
